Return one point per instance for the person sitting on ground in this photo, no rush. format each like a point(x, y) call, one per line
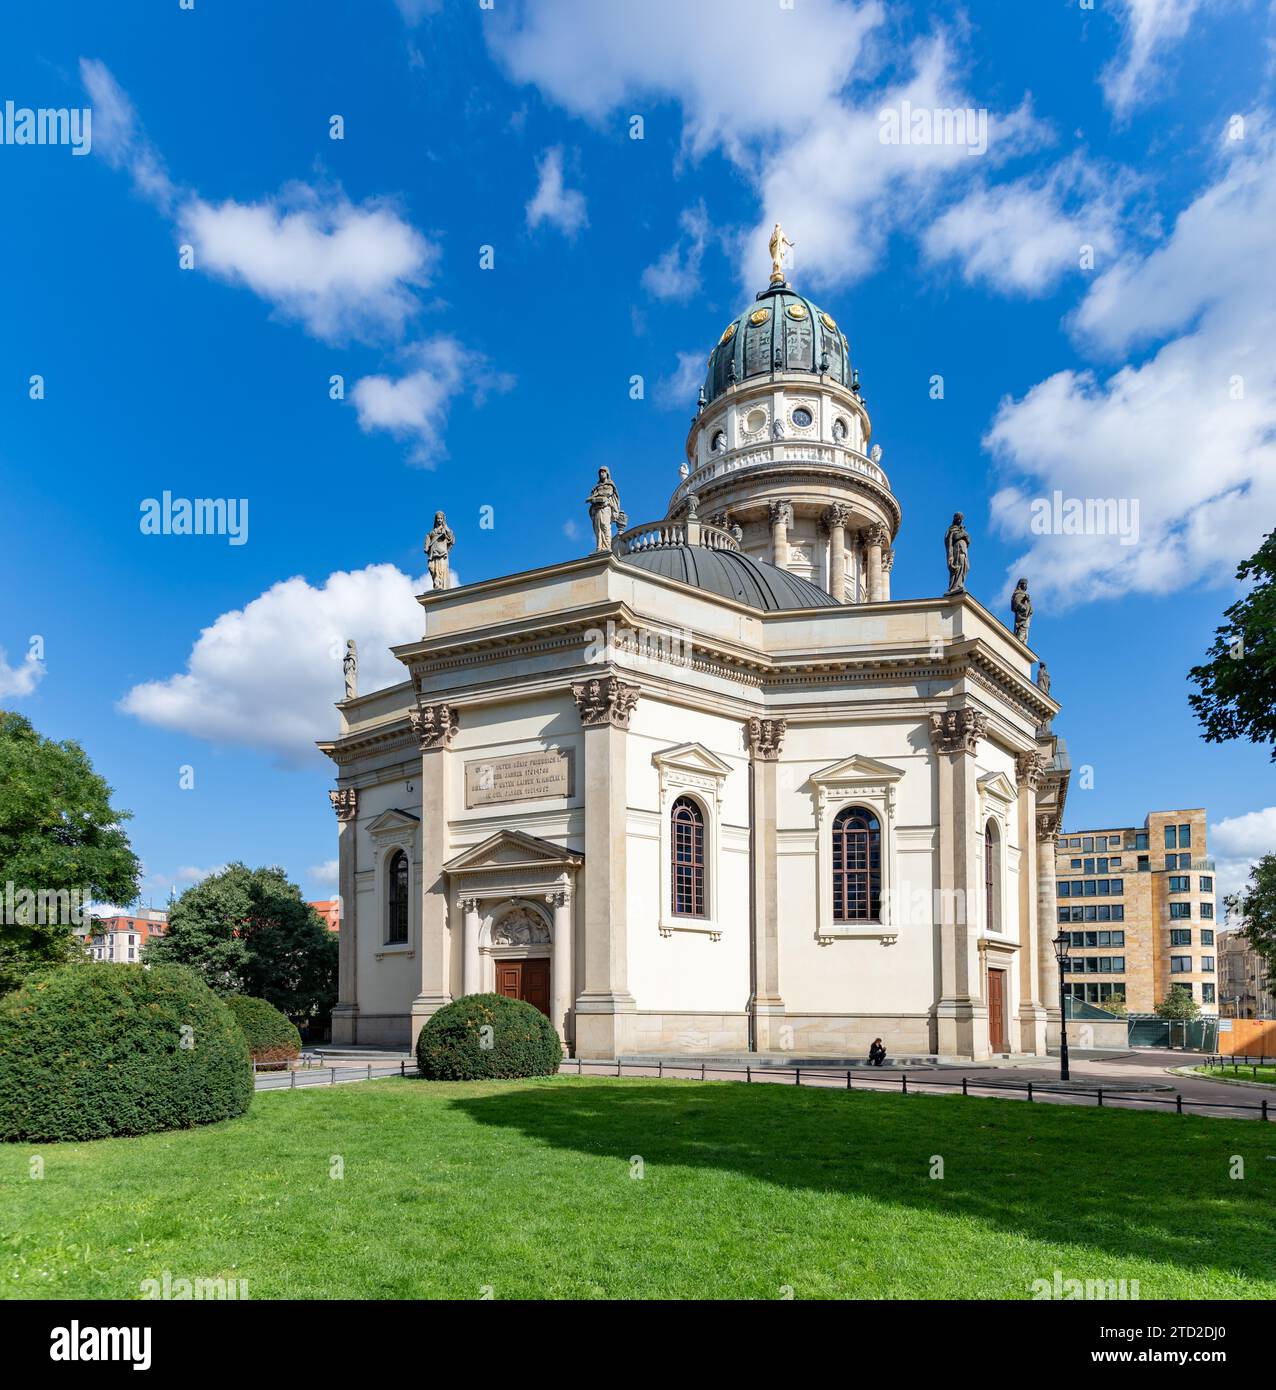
point(876, 1053)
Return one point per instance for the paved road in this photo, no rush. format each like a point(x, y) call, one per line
point(1127, 1080)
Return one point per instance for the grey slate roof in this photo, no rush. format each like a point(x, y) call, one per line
point(731, 575)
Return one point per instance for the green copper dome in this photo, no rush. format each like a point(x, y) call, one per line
point(783, 331)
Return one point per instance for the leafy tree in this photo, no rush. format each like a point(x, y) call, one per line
point(1115, 1003)
point(249, 931)
point(1237, 696)
point(59, 834)
point(1255, 904)
point(1178, 1004)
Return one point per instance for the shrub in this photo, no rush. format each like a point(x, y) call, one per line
point(453, 1045)
point(273, 1039)
point(92, 1050)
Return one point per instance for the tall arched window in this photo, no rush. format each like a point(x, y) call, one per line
point(992, 916)
point(397, 898)
point(857, 866)
point(687, 849)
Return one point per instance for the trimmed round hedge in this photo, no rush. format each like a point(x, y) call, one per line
point(93, 1050)
point(273, 1039)
point(486, 1035)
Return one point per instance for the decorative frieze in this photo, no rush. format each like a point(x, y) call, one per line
point(958, 730)
point(345, 802)
point(434, 725)
point(607, 701)
point(765, 737)
point(1030, 769)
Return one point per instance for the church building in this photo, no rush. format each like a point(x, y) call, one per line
point(710, 788)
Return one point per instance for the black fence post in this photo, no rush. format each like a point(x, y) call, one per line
point(1029, 1090)
point(798, 1082)
point(701, 1071)
point(660, 1069)
point(1178, 1102)
point(964, 1091)
point(748, 1073)
point(904, 1087)
point(1264, 1109)
point(1100, 1095)
point(292, 1080)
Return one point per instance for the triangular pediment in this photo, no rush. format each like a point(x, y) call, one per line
point(692, 757)
point(510, 847)
point(393, 821)
point(999, 785)
point(858, 768)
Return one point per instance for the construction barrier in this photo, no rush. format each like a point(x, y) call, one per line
point(1247, 1037)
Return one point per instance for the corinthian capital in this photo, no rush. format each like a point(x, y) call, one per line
point(781, 513)
point(835, 515)
point(1047, 825)
point(958, 730)
point(1030, 768)
point(606, 701)
point(765, 737)
point(345, 802)
point(876, 534)
point(434, 725)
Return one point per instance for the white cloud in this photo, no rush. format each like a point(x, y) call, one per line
point(23, 679)
point(341, 269)
point(1023, 237)
point(266, 676)
point(324, 874)
point(742, 69)
point(414, 406)
point(1149, 28)
point(553, 201)
point(678, 391)
point(1189, 434)
point(676, 275)
point(1236, 844)
point(118, 135)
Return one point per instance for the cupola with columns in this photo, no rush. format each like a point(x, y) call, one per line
point(779, 452)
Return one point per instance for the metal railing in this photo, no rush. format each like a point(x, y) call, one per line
point(841, 1077)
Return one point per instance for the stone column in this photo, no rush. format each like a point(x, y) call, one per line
point(605, 705)
point(781, 520)
point(766, 1006)
point(345, 1016)
point(560, 961)
point(471, 976)
point(875, 538)
point(834, 519)
point(961, 1012)
point(888, 563)
point(1030, 769)
point(1047, 920)
point(435, 727)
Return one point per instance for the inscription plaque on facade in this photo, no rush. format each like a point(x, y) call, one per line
point(519, 777)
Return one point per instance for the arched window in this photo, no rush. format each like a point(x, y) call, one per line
point(397, 898)
point(857, 866)
point(992, 917)
point(687, 849)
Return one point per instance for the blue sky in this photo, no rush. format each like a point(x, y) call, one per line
point(1139, 128)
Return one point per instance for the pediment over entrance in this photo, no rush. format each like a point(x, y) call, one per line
point(508, 849)
point(857, 768)
point(394, 825)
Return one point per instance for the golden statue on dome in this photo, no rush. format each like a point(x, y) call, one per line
point(778, 246)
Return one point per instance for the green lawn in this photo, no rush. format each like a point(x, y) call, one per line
point(526, 1188)
point(1241, 1072)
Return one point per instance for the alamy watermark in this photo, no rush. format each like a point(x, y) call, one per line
point(199, 516)
point(1058, 515)
point(47, 125)
point(45, 907)
point(934, 125)
point(1087, 1289)
point(183, 1290)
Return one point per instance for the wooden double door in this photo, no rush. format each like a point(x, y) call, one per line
point(998, 1037)
point(527, 980)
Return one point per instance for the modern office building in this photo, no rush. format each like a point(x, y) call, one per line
point(1140, 905)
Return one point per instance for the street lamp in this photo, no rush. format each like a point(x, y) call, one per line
point(1061, 944)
